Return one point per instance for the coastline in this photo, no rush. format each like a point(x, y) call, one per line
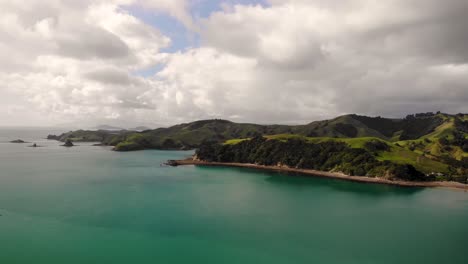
point(324, 174)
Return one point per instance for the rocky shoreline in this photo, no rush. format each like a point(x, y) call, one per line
point(315, 173)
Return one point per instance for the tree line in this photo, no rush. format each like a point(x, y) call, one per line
point(298, 153)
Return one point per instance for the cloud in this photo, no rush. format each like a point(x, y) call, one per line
point(360, 56)
point(114, 76)
point(290, 61)
point(75, 61)
point(96, 43)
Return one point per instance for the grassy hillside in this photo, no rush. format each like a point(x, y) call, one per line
point(348, 126)
point(442, 150)
point(191, 135)
point(420, 131)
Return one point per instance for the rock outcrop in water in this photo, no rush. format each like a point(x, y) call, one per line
point(19, 141)
point(68, 143)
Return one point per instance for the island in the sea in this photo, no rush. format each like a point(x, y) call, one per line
point(420, 148)
point(18, 141)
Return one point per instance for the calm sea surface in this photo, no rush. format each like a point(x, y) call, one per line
point(88, 204)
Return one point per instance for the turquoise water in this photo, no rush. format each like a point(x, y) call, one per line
point(91, 205)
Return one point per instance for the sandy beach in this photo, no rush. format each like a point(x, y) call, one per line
point(315, 173)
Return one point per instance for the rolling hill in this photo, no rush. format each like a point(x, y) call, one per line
point(431, 142)
point(191, 135)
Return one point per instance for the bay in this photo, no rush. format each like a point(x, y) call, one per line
point(88, 204)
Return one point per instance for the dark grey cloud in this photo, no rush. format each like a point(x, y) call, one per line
point(110, 76)
point(440, 37)
point(91, 43)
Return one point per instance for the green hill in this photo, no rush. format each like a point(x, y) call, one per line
point(376, 156)
point(411, 127)
point(191, 135)
point(440, 151)
point(431, 142)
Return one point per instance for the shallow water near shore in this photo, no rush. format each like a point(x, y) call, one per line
point(88, 204)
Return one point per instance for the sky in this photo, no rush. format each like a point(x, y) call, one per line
point(163, 62)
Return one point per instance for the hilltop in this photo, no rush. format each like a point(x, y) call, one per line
point(191, 135)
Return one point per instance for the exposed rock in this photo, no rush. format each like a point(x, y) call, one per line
point(68, 143)
point(18, 141)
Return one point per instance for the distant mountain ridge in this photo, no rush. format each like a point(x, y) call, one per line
point(190, 135)
point(107, 127)
point(139, 128)
point(114, 128)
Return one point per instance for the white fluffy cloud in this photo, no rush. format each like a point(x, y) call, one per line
point(292, 61)
point(75, 61)
point(370, 57)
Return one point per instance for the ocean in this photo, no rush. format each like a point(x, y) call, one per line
point(88, 204)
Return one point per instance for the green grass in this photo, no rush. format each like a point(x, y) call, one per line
point(429, 143)
point(446, 129)
point(352, 142)
point(458, 153)
point(357, 142)
point(421, 162)
point(235, 141)
point(284, 137)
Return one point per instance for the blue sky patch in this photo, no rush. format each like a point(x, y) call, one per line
point(181, 37)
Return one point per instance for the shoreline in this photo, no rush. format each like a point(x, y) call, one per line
point(323, 174)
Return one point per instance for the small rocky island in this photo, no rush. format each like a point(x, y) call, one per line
point(68, 143)
point(18, 141)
